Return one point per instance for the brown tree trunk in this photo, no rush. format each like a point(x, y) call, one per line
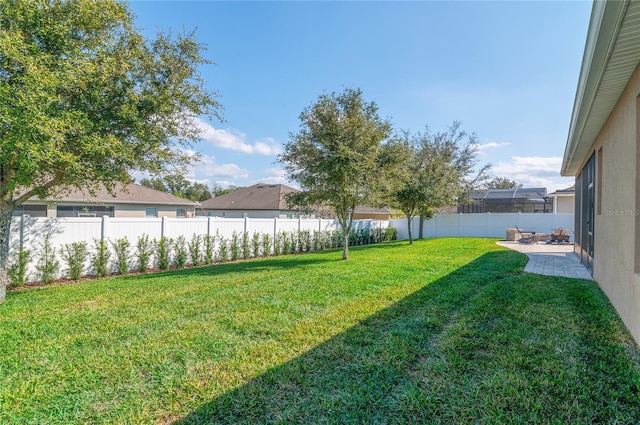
point(409, 229)
point(421, 226)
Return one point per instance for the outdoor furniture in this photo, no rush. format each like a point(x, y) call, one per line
point(559, 236)
point(527, 236)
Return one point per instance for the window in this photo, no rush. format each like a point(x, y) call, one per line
point(151, 212)
point(84, 211)
point(31, 210)
point(181, 212)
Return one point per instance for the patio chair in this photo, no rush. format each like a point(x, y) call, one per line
point(559, 235)
point(530, 238)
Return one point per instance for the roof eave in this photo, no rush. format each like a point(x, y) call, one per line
point(604, 26)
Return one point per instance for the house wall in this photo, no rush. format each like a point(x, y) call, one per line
point(565, 204)
point(136, 211)
point(616, 258)
point(250, 213)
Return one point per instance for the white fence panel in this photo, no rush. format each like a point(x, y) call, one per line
point(485, 225)
point(287, 225)
point(175, 227)
point(133, 228)
point(261, 225)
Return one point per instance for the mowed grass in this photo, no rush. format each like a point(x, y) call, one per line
point(442, 331)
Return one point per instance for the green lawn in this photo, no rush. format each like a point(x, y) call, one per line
point(442, 331)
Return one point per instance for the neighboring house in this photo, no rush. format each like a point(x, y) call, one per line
point(603, 153)
point(564, 200)
point(257, 201)
point(130, 200)
point(364, 213)
point(268, 201)
point(522, 200)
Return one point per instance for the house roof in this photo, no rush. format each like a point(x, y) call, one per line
point(260, 196)
point(124, 194)
point(531, 193)
point(570, 191)
point(371, 210)
point(611, 56)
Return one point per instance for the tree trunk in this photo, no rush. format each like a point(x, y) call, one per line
point(421, 226)
point(6, 210)
point(409, 219)
point(345, 248)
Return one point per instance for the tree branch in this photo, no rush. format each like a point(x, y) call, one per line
point(51, 183)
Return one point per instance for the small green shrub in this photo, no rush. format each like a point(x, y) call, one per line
point(48, 264)
point(121, 250)
point(17, 270)
point(75, 255)
point(305, 242)
point(180, 249)
point(266, 244)
point(390, 234)
point(285, 244)
point(209, 249)
point(223, 249)
point(195, 250)
point(316, 244)
point(255, 244)
point(234, 246)
point(100, 258)
point(278, 244)
point(164, 252)
point(246, 246)
point(144, 249)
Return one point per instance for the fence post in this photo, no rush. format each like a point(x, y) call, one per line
point(320, 225)
point(163, 225)
point(246, 224)
point(104, 228)
point(209, 226)
point(275, 229)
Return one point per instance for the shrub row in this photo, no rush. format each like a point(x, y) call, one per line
point(119, 257)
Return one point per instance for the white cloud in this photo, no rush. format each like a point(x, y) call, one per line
point(273, 176)
point(534, 171)
point(492, 145)
point(236, 140)
point(208, 168)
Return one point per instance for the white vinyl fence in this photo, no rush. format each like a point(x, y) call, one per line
point(491, 225)
point(28, 233)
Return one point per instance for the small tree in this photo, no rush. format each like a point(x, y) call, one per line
point(439, 169)
point(338, 156)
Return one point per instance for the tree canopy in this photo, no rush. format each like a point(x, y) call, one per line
point(177, 185)
point(438, 170)
point(85, 99)
point(338, 156)
point(498, 182)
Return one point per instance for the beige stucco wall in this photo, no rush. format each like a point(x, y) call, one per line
point(615, 224)
point(565, 204)
point(135, 211)
point(251, 214)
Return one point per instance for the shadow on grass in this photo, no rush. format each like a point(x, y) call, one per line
point(408, 364)
point(366, 373)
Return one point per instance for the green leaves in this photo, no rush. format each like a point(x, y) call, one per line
point(84, 99)
point(335, 156)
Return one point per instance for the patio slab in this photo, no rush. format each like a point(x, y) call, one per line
point(550, 259)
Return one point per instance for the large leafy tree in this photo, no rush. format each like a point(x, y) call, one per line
point(438, 170)
point(338, 156)
point(85, 99)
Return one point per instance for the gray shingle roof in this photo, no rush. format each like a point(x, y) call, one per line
point(260, 196)
point(124, 194)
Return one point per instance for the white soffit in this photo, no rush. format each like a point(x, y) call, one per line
point(612, 53)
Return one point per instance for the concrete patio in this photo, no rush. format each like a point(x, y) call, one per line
point(550, 259)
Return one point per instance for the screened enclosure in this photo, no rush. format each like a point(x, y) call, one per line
point(523, 200)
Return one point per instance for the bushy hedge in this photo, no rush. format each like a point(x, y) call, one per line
point(199, 250)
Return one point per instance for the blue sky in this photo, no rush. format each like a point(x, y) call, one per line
point(507, 70)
